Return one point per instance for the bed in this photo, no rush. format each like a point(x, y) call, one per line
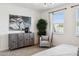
point(60, 50)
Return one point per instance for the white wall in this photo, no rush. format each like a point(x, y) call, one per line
point(69, 35)
point(5, 10)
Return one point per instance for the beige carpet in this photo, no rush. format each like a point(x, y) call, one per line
point(27, 51)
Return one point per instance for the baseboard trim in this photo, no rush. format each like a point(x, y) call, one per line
point(3, 50)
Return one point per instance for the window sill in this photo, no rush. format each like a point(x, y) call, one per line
point(77, 34)
point(58, 33)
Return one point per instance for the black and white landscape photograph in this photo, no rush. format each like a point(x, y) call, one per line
point(19, 23)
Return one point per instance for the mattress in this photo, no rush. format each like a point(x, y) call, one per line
point(60, 50)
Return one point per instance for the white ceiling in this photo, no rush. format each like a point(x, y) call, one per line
point(39, 6)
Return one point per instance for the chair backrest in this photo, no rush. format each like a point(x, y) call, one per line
point(44, 38)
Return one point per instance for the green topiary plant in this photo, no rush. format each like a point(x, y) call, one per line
point(41, 26)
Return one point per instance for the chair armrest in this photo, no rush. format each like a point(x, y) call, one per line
point(40, 38)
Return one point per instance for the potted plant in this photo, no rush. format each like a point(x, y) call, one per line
point(41, 26)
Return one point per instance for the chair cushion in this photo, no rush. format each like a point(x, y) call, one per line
point(44, 42)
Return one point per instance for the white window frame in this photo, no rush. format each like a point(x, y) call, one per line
point(59, 33)
point(77, 10)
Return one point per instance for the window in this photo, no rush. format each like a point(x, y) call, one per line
point(58, 22)
point(77, 20)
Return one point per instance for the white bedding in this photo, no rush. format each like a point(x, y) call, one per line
point(61, 50)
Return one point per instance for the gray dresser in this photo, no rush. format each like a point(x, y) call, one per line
point(18, 40)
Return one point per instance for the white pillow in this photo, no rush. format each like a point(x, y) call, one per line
point(45, 38)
